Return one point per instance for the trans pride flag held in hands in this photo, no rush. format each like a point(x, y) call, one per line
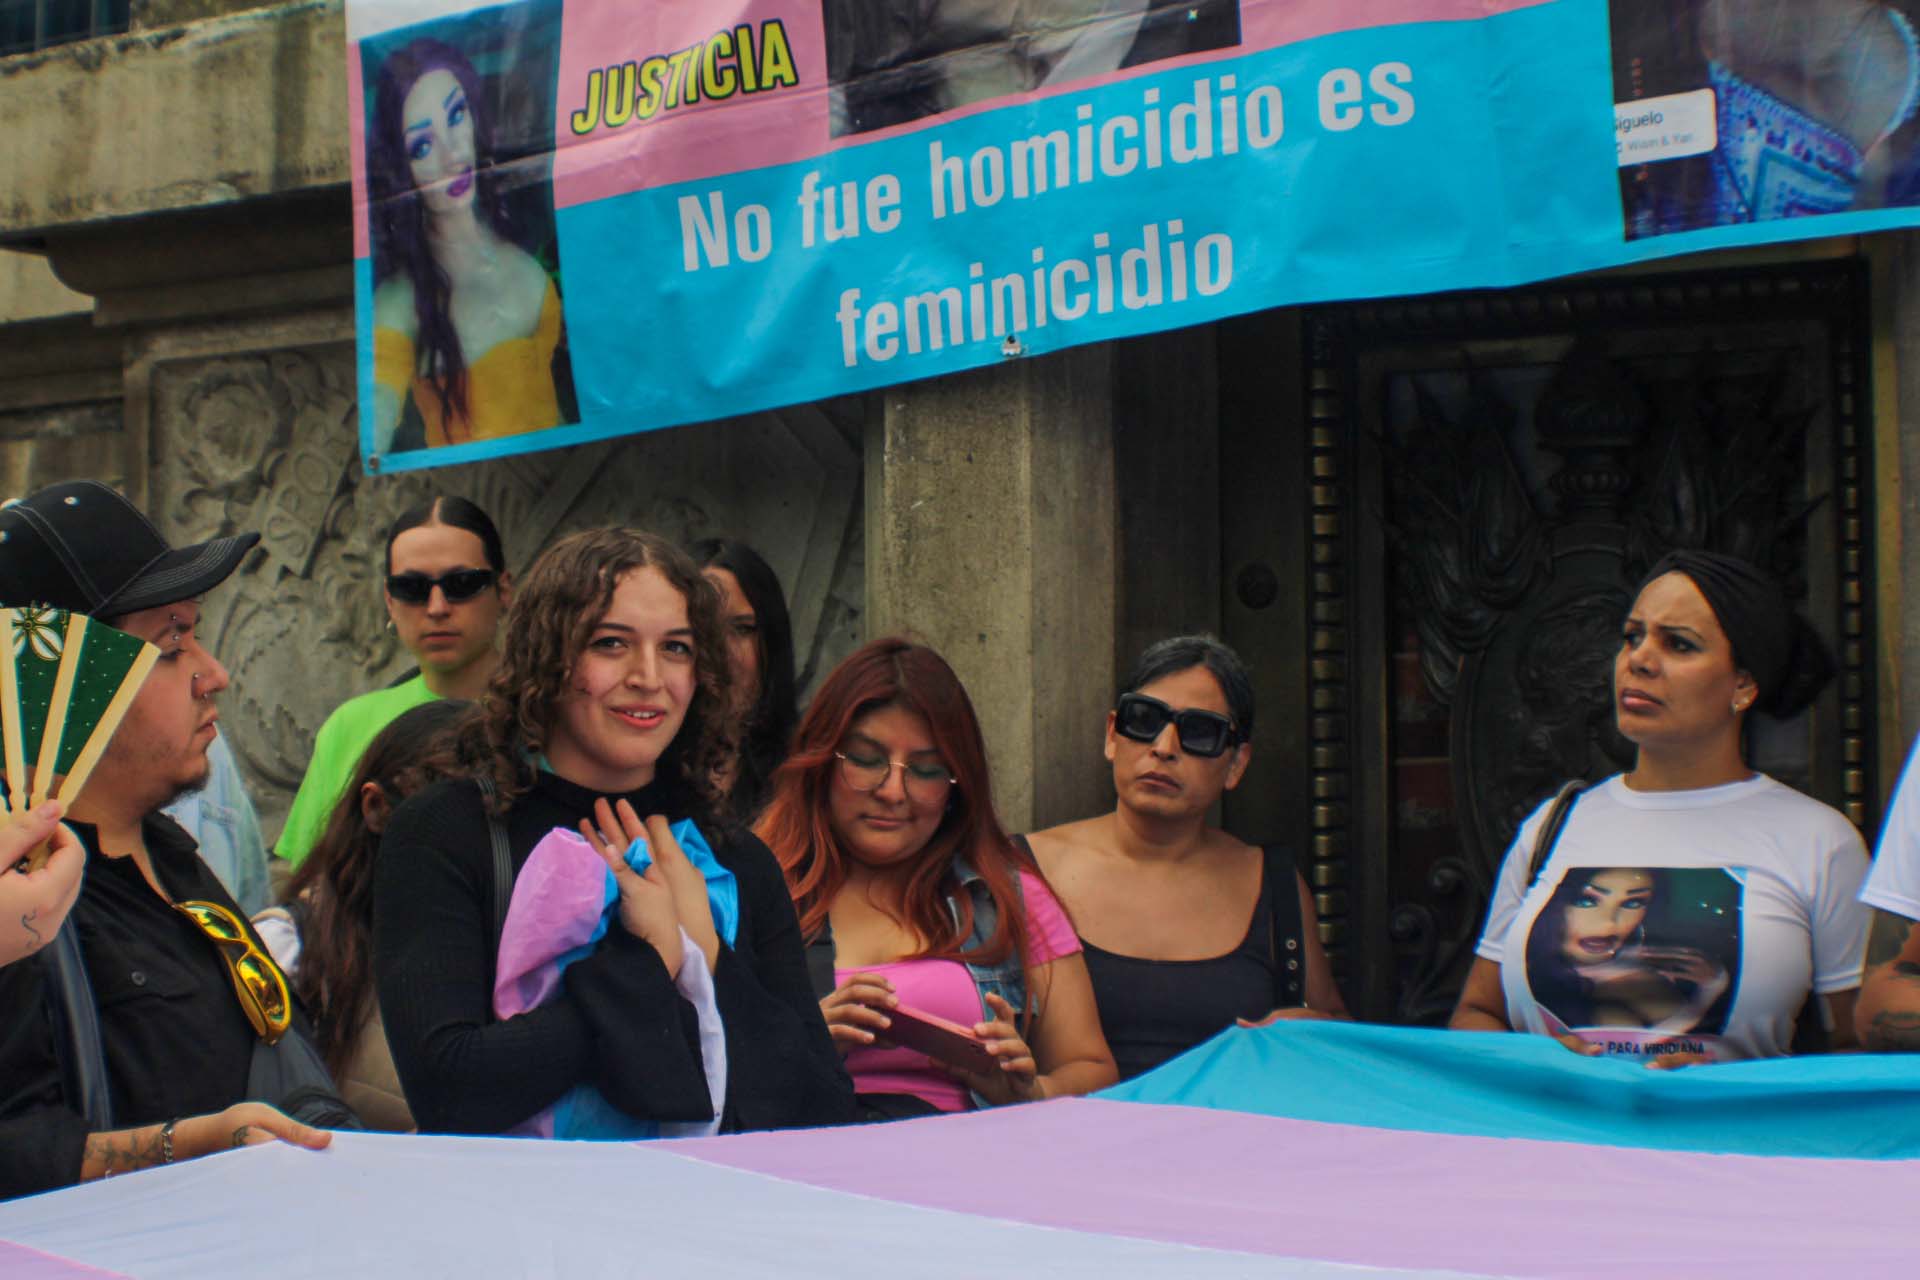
point(1302, 1149)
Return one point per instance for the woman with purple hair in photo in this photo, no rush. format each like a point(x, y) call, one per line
point(467, 323)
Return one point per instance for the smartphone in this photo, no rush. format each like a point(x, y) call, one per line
point(943, 1041)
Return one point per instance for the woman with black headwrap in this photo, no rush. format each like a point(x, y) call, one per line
point(1719, 898)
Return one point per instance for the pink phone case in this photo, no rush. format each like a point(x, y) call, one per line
point(934, 1036)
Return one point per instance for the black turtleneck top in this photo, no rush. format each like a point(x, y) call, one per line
point(617, 1022)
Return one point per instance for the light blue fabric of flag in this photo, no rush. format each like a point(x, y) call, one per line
point(584, 1113)
point(1837, 1106)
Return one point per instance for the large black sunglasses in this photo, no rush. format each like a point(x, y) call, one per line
point(457, 584)
point(1201, 733)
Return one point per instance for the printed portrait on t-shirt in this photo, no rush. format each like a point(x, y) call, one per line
point(1644, 960)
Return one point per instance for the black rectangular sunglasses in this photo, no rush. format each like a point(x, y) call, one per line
point(456, 584)
point(1201, 733)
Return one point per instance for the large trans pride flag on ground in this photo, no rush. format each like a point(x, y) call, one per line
point(1307, 1149)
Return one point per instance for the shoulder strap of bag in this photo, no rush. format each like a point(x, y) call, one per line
point(1563, 802)
point(502, 858)
point(820, 961)
point(1284, 925)
point(76, 1030)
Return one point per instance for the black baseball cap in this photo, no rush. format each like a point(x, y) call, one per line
point(79, 545)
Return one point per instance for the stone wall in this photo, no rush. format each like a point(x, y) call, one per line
point(253, 427)
point(223, 425)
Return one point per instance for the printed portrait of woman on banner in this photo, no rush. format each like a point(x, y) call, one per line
point(891, 63)
point(469, 339)
point(1811, 104)
point(1638, 956)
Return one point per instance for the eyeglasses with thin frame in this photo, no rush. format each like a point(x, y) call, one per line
point(926, 781)
point(257, 980)
point(456, 584)
point(1206, 734)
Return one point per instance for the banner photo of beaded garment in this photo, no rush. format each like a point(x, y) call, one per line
point(1737, 112)
point(577, 219)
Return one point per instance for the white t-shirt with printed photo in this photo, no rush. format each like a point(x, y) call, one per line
point(1894, 883)
point(1675, 921)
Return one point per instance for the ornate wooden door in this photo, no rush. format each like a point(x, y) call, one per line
point(1492, 473)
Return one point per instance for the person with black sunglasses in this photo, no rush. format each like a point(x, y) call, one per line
point(1186, 929)
point(447, 588)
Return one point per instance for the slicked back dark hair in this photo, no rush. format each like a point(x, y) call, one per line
point(1175, 654)
point(455, 513)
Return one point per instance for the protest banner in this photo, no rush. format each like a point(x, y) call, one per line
point(576, 219)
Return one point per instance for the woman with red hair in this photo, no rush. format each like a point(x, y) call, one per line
point(911, 895)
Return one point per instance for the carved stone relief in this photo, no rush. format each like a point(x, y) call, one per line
point(266, 440)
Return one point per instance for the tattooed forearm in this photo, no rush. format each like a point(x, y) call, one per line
point(1895, 1028)
point(1890, 1008)
point(1894, 1032)
point(120, 1151)
point(1888, 936)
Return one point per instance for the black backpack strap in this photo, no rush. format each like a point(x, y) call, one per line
point(502, 858)
point(76, 1029)
point(820, 961)
point(1563, 802)
point(1285, 947)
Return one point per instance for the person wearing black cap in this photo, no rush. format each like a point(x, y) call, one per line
point(1687, 908)
point(155, 957)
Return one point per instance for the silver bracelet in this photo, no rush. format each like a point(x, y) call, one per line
point(166, 1141)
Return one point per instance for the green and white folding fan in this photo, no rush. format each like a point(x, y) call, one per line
point(66, 682)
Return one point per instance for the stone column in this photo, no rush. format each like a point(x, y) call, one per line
point(1896, 372)
point(991, 536)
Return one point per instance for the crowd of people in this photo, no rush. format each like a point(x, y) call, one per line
point(591, 871)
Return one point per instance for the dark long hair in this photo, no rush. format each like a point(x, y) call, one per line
point(558, 604)
point(770, 723)
point(335, 979)
point(399, 216)
point(796, 826)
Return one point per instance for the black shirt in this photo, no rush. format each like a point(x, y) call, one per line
point(175, 1039)
point(1155, 1010)
point(617, 1021)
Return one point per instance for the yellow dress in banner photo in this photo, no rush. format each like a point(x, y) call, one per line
point(509, 387)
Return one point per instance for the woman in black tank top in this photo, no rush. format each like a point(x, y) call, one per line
point(1186, 929)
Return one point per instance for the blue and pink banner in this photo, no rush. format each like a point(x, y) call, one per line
point(579, 218)
point(1303, 1149)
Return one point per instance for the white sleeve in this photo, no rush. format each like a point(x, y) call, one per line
point(695, 983)
point(1839, 919)
point(1894, 884)
point(276, 928)
point(1510, 886)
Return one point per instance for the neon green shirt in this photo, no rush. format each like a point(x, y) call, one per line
point(336, 752)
